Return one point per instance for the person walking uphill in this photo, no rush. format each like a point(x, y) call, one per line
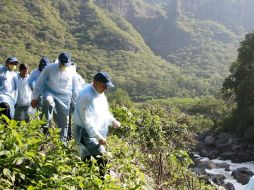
point(8, 87)
point(57, 85)
point(92, 118)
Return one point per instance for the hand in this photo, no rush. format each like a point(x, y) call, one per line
point(34, 103)
point(116, 124)
point(102, 142)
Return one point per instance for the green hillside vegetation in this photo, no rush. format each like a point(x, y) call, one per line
point(202, 47)
point(97, 40)
point(31, 160)
point(238, 86)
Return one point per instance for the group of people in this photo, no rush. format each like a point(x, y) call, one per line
point(56, 88)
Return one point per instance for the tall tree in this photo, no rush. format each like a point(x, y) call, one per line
point(240, 83)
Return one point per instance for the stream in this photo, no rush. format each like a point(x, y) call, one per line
point(227, 174)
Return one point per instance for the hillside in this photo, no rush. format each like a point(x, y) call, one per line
point(152, 48)
point(97, 40)
point(199, 36)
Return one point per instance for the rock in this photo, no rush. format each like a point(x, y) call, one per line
point(200, 146)
point(249, 133)
point(236, 148)
point(204, 153)
point(219, 142)
point(213, 154)
point(218, 179)
point(206, 164)
point(223, 165)
point(228, 155)
point(209, 140)
point(223, 137)
point(199, 171)
point(244, 156)
point(242, 175)
point(224, 147)
point(229, 186)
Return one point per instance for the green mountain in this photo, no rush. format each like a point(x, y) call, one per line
point(199, 36)
point(151, 48)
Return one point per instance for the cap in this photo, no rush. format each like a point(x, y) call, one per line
point(44, 61)
point(12, 60)
point(65, 59)
point(103, 77)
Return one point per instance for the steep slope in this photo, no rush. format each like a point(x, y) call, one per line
point(199, 36)
point(97, 40)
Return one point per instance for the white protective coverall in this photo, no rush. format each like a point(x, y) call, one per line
point(91, 120)
point(57, 88)
point(24, 99)
point(8, 88)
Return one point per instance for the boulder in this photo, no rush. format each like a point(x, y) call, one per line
point(223, 165)
point(244, 156)
point(242, 175)
point(206, 164)
point(236, 148)
point(209, 140)
point(199, 171)
point(249, 133)
point(228, 155)
point(224, 147)
point(229, 186)
point(218, 179)
point(223, 137)
point(212, 154)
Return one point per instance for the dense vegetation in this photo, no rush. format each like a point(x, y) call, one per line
point(99, 39)
point(238, 87)
point(201, 41)
point(149, 151)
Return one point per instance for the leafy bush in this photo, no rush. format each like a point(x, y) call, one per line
point(31, 160)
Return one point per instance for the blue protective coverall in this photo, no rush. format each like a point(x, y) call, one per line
point(8, 88)
point(35, 74)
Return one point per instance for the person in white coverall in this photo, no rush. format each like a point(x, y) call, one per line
point(81, 85)
point(92, 119)
point(24, 94)
point(8, 87)
point(57, 85)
